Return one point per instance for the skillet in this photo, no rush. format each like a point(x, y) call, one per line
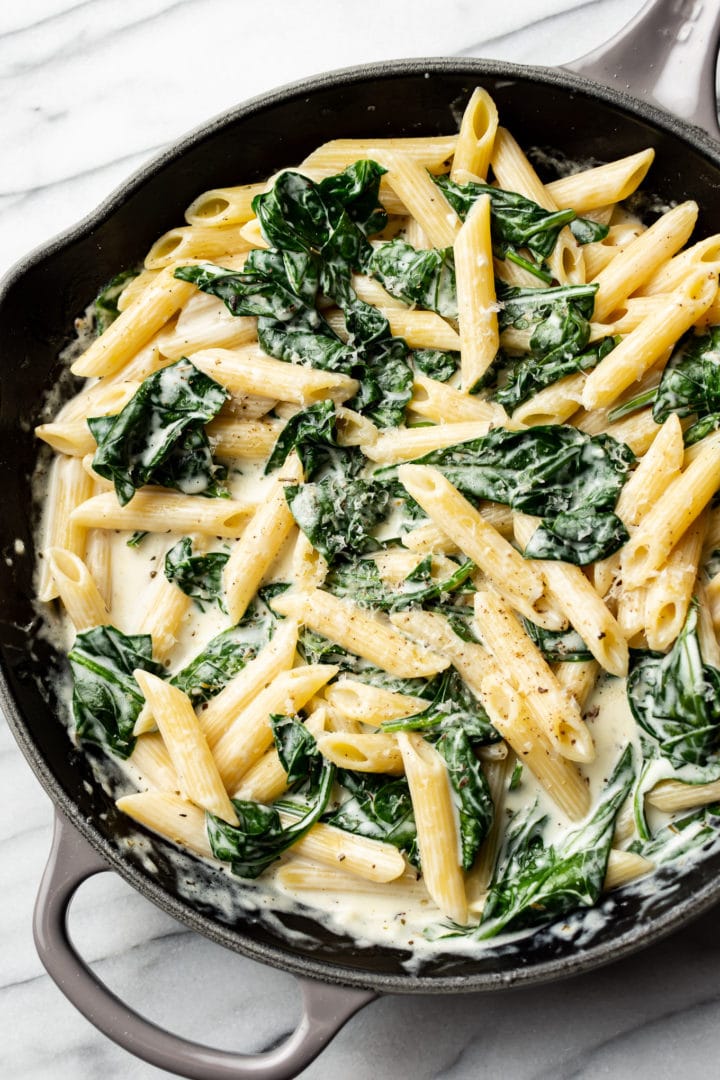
point(542, 108)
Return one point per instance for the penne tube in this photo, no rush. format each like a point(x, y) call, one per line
point(255, 552)
point(578, 677)
point(376, 752)
point(163, 608)
point(158, 510)
point(105, 397)
point(309, 568)
point(635, 265)
point(135, 286)
point(705, 254)
point(420, 329)
point(637, 352)
point(359, 701)
point(299, 875)
point(668, 596)
point(152, 762)
point(443, 404)
point(68, 487)
point(570, 591)
point(707, 637)
point(359, 632)
point(560, 778)
point(221, 207)
point(77, 590)
point(242, 440)
point(625, 866)
point(99, 562)
point(171, 816)
point(276, 657)
point(204, 242)
point(358, 855)
point(186, 745)
point(671, 796)
point(437, 829)
point(408, 443)
point(423, 198)
point(135, 326)
point(468, 658)
point(205, 323)
point(554, 404)
point(528, 672)
point(477, 303)
point(249, 734)
point(475, 140)
point(605, 184)
point(430, 152)
point(515, 577)
point(248, 371)
point(681, 503)
point(656, 470)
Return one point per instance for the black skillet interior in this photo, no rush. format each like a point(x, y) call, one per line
point(543, 109)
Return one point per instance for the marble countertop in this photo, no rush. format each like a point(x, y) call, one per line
point(90, 89)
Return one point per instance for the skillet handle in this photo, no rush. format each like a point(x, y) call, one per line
point(72, 860)
point(666, 55)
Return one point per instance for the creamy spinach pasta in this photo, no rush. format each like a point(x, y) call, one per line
point(385, 536)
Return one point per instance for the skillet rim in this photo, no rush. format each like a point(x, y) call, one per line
point(279, 956)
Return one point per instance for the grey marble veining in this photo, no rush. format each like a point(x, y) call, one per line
point(89, 89)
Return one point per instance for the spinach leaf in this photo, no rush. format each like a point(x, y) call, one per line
point(534, 372)
point(338, 515)
point(556, 472)
point(261, 838)
point(515, 222)
point(534, 883)
point(379, 807)
point(676, 700)
point(360, 580)
point(198, 576)
point(311, 432)
point(453, 707)
point(579, 537)
point(436, 364)
point(226, 654)
point(587, 231)
point(425, 277)
point(690, 384)
point(701, 428)
point(527, 309)
point(475, 809)
point(297, 749)
point(680, 837)
point(357, 188)
point(159, 436)
point(106, 699)
point(557, 646)
point(104, 309)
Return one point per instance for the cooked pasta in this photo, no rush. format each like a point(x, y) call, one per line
point(382, 528)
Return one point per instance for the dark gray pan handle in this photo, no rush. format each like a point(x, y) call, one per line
point(666, 56)
point(325, 1008)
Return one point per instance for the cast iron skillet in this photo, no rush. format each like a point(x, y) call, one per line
point(38, 302)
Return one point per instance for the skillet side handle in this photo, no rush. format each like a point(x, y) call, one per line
point(667, 56)
point(326, 1008)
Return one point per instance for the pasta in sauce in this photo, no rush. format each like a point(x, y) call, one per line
point(385, 537)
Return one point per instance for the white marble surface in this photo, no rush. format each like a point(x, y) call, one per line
point(89, 89)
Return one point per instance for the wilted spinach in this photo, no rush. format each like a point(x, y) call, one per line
point(690, 383)
point(380, 808)
point(532, 373)
point(557, 646)
point(104, 309)
point(425, 277)
point(534, 883)
point(106, 699)
point(297, 750)
point(675, 699)
point(360, 581)
point(198, 576)
point(557, 472)
point(159, 436)
point(261, 838)
point(226, 654)
point(436, 364)
point(475, 805)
